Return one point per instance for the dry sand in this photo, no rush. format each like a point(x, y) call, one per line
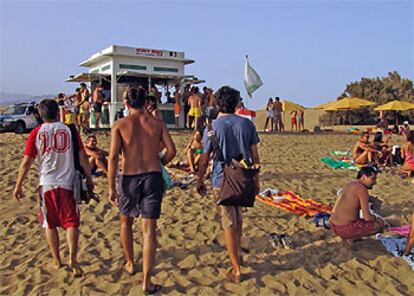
point(191, 256)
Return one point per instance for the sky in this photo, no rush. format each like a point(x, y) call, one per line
point(304, 51)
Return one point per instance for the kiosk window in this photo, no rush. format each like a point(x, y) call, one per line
point(165, 69)
point(133, 67)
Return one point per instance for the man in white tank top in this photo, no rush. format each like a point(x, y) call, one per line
point(52, 144)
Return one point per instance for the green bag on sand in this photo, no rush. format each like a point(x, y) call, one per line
point(166, 178)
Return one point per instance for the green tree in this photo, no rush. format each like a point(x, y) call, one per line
point(378, 90)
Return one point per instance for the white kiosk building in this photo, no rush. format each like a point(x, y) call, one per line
point(116, 67)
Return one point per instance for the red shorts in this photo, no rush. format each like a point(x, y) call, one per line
point(293, 121)
point(58, 209)
point(358, 229)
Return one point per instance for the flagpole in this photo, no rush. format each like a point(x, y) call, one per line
point(247, 99)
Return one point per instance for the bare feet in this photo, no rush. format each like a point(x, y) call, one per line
point(151, 289)
point(56, 264)
point(76, 269)
point(129, 267)
point(232, 276)
point(349, 244)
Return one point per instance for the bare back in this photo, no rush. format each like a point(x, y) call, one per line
point(277, 107)
point(348, 205)
point(141, 139)
point(194, 101)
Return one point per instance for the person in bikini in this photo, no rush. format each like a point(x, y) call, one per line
point(269, 116)
point(138, 139)
point(345, 221)
point(385, 156)
point(194, 150)
point(97, 156)
point(52, 143)
point(407, 153)
point(194, 114)
point(362, 152)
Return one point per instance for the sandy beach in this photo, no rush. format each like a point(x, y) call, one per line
point(191, 256)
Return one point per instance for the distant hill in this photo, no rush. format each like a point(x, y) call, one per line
point(11, 98)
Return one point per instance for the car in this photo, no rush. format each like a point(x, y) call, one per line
point(19, 118)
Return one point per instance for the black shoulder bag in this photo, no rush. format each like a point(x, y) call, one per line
point(238, 187)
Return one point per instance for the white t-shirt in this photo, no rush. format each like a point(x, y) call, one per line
point(52, 144)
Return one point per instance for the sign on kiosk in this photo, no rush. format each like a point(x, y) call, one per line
point(149, 52)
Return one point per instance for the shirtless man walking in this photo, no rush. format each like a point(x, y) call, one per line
point(277, 114)
point(140, 185)
point(97, 104)
point(363, 153)
point(345, 219)
point(194, 101)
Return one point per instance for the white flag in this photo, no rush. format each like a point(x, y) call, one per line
point(252, 80)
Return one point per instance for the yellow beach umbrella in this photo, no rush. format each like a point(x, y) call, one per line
point(395, 105)
point(347, 104)
point(288, 106)
point(322, 106)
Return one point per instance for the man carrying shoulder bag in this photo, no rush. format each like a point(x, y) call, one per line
point(233, 141)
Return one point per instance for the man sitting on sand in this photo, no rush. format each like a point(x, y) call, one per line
point(138, 138)
point(52, 144)
point(97, 156)
point(354, 197)
point(363, 153)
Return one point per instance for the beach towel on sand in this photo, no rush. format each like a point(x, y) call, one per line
point(294, 203)
point(396, 247)
point(338, 164)
point(340, 153)
point(401, 230)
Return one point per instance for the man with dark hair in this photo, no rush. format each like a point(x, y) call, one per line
point(97, 104)
point(277, 114)
point(238, 139)
point(354, 198)
point(53, 145)
point(139, 138)
point(97, 156)
point(363, 153)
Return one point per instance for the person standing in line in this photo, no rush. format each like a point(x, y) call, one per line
point(52, 143)
point(97, 104)
point(139, 189)
point(177, 106)
point(84, 108)
point(237, 138)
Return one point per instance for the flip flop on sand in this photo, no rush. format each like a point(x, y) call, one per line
point(275, 240)
point(287, 242)
point(152, 291)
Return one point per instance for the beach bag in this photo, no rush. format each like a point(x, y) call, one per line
point(238, 187)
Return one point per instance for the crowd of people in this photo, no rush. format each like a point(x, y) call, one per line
point(76, 108)
point(137, 189)
point(274, 121)
point(381, 153)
